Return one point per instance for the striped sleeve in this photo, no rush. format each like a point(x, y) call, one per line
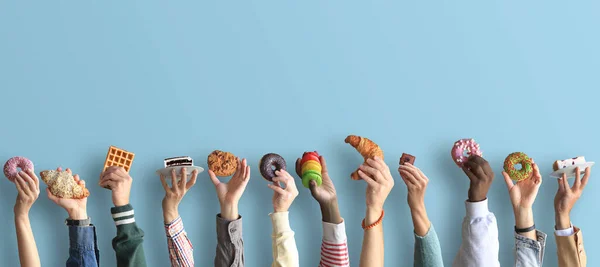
point(129, 242)
point(181, 251)
point(334, 249)
point(123, 216)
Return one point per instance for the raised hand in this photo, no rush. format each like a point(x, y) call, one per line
point(481, 175)
point(76, 208)
point(28, 188)
point(229, 193)
point(175, 193)
point(119, 182)
point(379, 184)
point(325, 194)
point(523, 193)
point(283, 196)
point(567, 196)
point(416, 183)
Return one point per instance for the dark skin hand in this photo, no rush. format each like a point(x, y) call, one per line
point(481, 175)
point(324, 194)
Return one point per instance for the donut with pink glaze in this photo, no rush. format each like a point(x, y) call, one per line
point(461, 146)
point(10, 168)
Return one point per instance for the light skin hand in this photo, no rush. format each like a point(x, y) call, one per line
point(379, 181)
point(28, 188)
point(283, 197)
point(76, 208)
point(229, 193)
point(324, 194)
point(481, 175)
point(119, 182)
point(567, 196)
point(175, 193)
point(522, 196)
point(416, 183)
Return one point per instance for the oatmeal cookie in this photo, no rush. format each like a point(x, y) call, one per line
point(222, 163)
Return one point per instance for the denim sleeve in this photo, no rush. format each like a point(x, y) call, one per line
point(83, 248)
point(428, 252)
point(528, 252)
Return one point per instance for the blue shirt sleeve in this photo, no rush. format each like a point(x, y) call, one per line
point(83, 248)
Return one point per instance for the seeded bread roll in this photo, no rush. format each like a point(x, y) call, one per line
point(63, 185)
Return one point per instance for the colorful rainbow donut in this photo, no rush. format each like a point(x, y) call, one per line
point(518, 158)
point(10, 168)
point(310, 169)
point(461, 146)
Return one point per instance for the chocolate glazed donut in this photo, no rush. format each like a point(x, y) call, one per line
point(270, 163)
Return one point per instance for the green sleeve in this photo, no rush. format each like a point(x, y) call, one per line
point(428, 252)
point(128, 244)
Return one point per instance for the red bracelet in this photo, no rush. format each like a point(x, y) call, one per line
point(375, 223)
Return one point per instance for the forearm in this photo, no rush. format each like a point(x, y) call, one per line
point(372, 248)
point(563, 220)
point(420, 220)
point(524, 219)
point(170, 214)
point(330, 212)
point(181, 251)
point(229, 211)
point(28, 253)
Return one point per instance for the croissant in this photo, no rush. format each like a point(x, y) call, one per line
point(63, 185)
point(367, 148)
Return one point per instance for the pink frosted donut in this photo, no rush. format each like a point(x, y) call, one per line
point(459, 148)
point(10, 168)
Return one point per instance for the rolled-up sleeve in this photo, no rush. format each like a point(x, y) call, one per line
point(230, 245)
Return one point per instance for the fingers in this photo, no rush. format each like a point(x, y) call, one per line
point(34, 177)
point(408, 178)
point(31, 184)
point(238, 171)
point(312, 185)
point(586, 177)
point(373, 172)
point(214, 178)
point(192, 180)
point(508, 181)
point(468, 171)
point(23, 182)
point(163, 181)
point(414, 171)
point(370, 181)
point(560, 187)
point(565, 183)
point(298, 167)
point(247, 173)
point(577, 178)
point(183, 182)
point(537, 177)
point(278, 190)
point(323, 165)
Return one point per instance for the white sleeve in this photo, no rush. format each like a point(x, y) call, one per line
point(565, 232)
point(480, 246)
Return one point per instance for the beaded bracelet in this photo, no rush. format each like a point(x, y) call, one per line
point(375, 223)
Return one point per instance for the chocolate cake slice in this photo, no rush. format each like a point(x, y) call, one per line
point(179, 161)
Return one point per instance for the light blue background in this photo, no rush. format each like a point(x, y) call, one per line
point(251, 77)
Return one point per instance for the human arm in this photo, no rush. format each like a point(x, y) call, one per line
point(285, 252)
point(28, 188)
point(334, 248)
point(529, 245)
point(181, 251)
point(569, 239)
point(83, 247)
point(427, 246)
point(128, 243)
point(480, 246)
point(230, 245)
point(379, 184)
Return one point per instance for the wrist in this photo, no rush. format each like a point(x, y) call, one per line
point(119, 203)
point(563, 221)
point(170, 215)
point(373, 214)
point(476, 193)
point(229, 212)
point(523, 218)
point(21, 216)
point(416, 207)
point(330, 212)
point(77, 214)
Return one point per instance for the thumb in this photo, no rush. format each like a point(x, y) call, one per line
point(312, 185)
point(51, 196)
point(509, 183)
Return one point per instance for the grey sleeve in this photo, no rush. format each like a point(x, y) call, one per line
point(230, 245)
point(528, 252)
